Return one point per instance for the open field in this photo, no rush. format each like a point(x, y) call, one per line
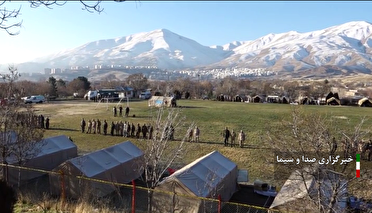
point(210, 116)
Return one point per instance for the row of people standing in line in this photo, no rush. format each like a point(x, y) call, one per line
point(124, 129)
point(232, 136)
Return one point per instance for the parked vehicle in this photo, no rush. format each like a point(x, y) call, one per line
point(34, 99)
point(145, 95)
point(264, 189)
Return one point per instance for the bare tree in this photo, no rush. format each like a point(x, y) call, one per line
point(18, 131)
point(8, 17)
point(160, 151)
point(313, 135)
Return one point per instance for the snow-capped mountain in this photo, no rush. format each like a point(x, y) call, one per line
point(344, 47)
point(161, 48)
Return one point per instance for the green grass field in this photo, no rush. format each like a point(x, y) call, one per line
point(210, 116)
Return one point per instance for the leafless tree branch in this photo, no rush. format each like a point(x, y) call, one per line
point(7, 15)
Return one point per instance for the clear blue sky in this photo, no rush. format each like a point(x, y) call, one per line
point(209, 23)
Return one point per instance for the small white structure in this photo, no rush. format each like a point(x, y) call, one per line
point(120, 163)
point(209, 176)
point(49, 153)
point(160, 101)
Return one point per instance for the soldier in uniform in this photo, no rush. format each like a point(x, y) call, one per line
point(94, 126)
point(89, 131)
point(233, 136)
point(144, 131)
point(98, 126)
point(117, 128)
point(191, 135)
point(128, 129)
point(133, 130)
point(105, 126)
point(226, 136)
point(125, 129)
point(138, 130)
point(241, 138)
point(112, 128)
point(82, 125)
point(197, 134)
point(47, 123)
point(127, 111)
point(120, 111)
point(114, 111)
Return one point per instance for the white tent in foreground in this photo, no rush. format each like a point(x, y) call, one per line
point(293, 195)
point(208, 177)
point(120, 163)
point(49, 153)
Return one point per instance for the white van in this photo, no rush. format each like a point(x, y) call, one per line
point(34, 99)
point(145, 95)
point(91, 95)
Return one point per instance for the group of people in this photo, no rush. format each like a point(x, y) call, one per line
point(123, 129)
point(38, 121)
point(194, 134)
point(120, 108)
point(232, 136)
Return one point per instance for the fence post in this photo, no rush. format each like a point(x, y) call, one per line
point(219, 203)
point(63, 192)
point(133, 197)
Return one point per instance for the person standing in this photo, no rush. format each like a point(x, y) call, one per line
point(89, 131)
point(125, 129)
point(241, 138)
point(98, 126)
point(105, 126)
point(42, 121)
point(128, 129)
point(112, 128)
point(196, 134)
point(120, 111)
point(138, 133)
point(233, 136)
point(226, 136)
point(94, 126)
point(144, 131)
point(82, 125)
point(47, 123)
point(133, 130)
point(127, 111)
point(114, 111)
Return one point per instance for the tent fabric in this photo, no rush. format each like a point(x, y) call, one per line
point(120, 163)
point(208, 176)
point(333, 99)
point(50, 153)
point(364, 101)
point(298, 185)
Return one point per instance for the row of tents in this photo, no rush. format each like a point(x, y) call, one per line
point(330, 99)
point(208, 176)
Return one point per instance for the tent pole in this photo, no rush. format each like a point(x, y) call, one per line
point(133, 197)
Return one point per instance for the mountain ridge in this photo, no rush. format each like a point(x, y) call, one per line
point(347, 46)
